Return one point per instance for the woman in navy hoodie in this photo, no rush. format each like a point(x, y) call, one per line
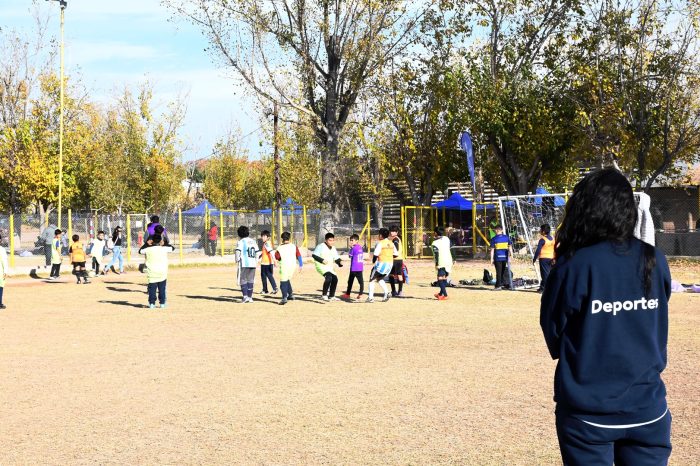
point(604, 315)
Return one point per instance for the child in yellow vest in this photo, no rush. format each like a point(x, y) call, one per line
point(78, 257)
point(56, 258)
point(156, 251)
point(383, 258)
point(545, 253)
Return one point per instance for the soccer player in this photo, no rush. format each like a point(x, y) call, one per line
point(396, 275)
point(156, 251)
point(78, 258)
point(267, 263)
point(383, 258)
point(501, 250)
point(97, 251)
point(288, 256)
point(545, 253)
point(443, 261)
point(604, 316)
point(247, 253)
point(56, 258)
point(325, 256)
point(357, 265)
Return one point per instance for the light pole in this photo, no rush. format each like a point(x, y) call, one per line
point(63, 4)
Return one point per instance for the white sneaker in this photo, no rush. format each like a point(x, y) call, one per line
point(250, 300)
point(334, 299)
point(245, 300)
point(369, 300)
point(386, 298)
point(324, 297)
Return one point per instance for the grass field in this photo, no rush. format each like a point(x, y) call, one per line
point(88, 375)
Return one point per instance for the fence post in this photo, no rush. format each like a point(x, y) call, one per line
point(12, 240)
point(474, 230)
point(179, 230)
point(221, 228)
point(369, 224)
point(306, 231)
point(272, 225)
point(281, 224)
point(70, 226)
point(128, 238)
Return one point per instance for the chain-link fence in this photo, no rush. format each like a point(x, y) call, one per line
point(676, 216)
point(675, 212)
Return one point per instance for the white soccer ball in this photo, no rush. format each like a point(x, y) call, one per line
point(91, 273)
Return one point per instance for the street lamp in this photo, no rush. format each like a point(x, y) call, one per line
point(63, 4)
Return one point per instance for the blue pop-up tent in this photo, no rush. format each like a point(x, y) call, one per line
point(457, 202)
point(201, 209)
point(558, 200)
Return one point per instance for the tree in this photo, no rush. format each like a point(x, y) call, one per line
point(232, 181)
point(638, 69)
point(23, 58)
point(516, 103)
point(328, 50)
point(139, 168)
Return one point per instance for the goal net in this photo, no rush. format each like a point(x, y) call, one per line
point(522, 217)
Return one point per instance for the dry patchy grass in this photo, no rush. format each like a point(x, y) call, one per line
point(88, 375)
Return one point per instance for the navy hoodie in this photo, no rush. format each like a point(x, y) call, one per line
point(608, 335)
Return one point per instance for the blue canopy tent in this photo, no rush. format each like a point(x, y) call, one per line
point(457, 202)
point(205, 206)
point(558, 200)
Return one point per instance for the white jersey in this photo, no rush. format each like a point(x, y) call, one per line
point(249, 252)
point(98, 248)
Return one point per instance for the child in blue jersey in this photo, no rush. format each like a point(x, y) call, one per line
point(247, 253)
point(545, 253)
point(501, 250)
point(604, 315)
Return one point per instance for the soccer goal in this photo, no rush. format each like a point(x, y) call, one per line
point(522, 217)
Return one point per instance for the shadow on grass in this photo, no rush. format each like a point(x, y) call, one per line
point(235, 290)
point(122, 290)
point(124, 303)
point(224, 299)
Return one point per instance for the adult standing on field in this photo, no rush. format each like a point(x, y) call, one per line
point(116, 243)
point(213, 236)
point(604, 315)
point(46, 238)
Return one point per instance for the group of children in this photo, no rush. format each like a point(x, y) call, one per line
point(387, 259)
point(78, 255)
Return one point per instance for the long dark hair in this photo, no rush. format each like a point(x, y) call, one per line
point(115, 233)
point(601, 208)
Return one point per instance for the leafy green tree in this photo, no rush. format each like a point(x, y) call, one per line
point(314, 57)
point(515, 105)
point(637, 68)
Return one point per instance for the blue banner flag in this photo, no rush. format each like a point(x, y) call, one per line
point(465, 141)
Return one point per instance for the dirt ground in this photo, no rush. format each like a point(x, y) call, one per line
point(88, 375)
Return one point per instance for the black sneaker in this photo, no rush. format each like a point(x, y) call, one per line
point(283, 302)
point(2, 306)
point(290, 298)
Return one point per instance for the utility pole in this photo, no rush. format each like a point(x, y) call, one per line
point(63, 4)
point(278, 192)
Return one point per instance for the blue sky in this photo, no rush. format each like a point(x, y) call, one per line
point(112, 44)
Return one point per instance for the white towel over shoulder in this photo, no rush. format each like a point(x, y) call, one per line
point(644, 230)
